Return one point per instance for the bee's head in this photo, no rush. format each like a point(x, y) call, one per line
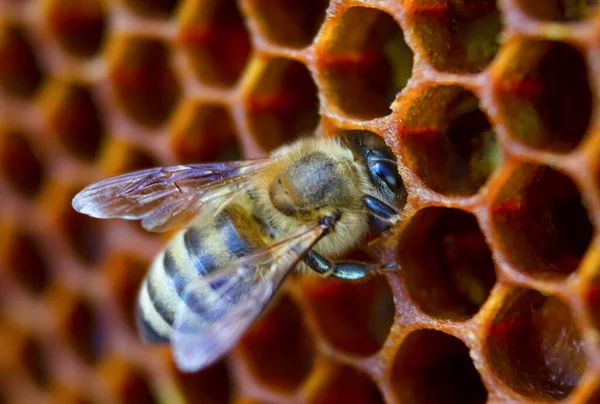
point(381, 166)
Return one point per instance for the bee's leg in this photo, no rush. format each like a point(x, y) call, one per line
point(382, 216)
point(349, 270)
point(379, 208)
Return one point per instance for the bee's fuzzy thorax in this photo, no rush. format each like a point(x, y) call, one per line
point(353, 224)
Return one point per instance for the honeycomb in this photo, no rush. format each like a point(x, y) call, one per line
point(490, 106)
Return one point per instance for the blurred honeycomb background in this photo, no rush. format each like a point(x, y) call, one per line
point(490, 106)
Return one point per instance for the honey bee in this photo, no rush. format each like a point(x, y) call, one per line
point(245, 226)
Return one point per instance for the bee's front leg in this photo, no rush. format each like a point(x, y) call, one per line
point(348, 270)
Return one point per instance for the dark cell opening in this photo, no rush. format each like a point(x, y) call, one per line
point(535, 346)
point(447, 263)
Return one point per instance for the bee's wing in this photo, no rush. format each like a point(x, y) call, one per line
point(165, 197)
point(218, 308)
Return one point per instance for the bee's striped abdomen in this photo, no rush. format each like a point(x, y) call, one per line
point(194, 239)
point(193, 252)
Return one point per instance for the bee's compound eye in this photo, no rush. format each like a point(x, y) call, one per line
point(387, 171)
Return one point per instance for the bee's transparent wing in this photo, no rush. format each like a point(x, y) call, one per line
point(218, 308)
point(165, 197)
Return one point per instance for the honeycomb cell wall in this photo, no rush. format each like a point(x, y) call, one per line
point(490, 106)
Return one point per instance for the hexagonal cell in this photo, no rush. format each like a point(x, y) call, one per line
point(457, 36)
point(447, 263)
point(32, 357)
point(215, 40)
point(344, 384)
point(23, 356)
point(82, 232)
point(152, 8)
point(119, 157)
point(278, 348)
point(364, 62)
point(143, 80)
point(81, 325)
point(20, 256)
point(448, 139)
point(78, 26)
point(124, 273)
point(535, 347)
point(212, 385)
point(543, 92)
point(126, 383)
point(559, 10)
point(540, 223)
point(75, 119)
point(204, 133)
point(353, 317)
point(19, 164)
point(434, 367)
point(21, 73)
point(283, 103)
point(291, 23)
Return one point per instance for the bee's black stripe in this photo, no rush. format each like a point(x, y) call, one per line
point(231, 237)
point(160, 308)
point(146, 330)
point(170, 267)
point(193, 239)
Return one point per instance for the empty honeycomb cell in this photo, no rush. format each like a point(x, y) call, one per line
point(83, 329)
point(535, 346)
point(119, 157)
point(125, 273)
point(283, 103)
point(19, 164)
point(215, 40)
point(353, 317)
point(446, 262)
point(363, 62)
point(456, 36)
point(538, 105)
point(78, 26)
point(31, 355)
point(278, 348)
point(143, 80)
point(126, 383)
point(209, 386)
point(23, 357)
point(20, 70)
point(75, 118)
point(20, 255)
point(559, 10)
point(448, 139)
point(540, 223)
point(204, 132)
point(345, 384)
point(152, 8)
point(82, 232)
point(434, 367)
point(289, 22)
